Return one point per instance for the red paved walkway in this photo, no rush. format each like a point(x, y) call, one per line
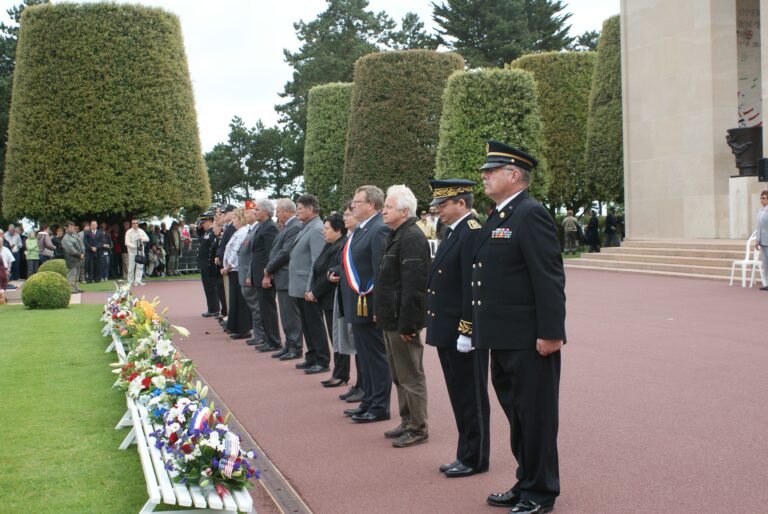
point(663, 408)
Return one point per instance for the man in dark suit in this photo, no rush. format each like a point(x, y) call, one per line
point(449, 326)
point(518, 295)
point(227, 232)
point(92, 239)
point(361, 260)
point(261, 245)
point(276, 276)
point(206, 237)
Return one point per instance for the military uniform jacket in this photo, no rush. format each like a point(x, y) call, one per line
point(204, 250)
point(518, 281)
point(449, 295)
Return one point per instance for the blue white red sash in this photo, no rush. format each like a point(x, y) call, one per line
point(353, 278)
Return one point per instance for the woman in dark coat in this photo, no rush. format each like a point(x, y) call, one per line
point(323, 291)
point(592, 235)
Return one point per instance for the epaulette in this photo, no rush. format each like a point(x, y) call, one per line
point(474, 224)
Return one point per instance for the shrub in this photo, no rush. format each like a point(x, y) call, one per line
point(103, 123)
point(488, 104)
point(605, 150)
point(563, 80)
point(327, 117)
point(55, 265)
point(46, 290)
point(394, 122)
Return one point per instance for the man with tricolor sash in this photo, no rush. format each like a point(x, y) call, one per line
point(361, 257)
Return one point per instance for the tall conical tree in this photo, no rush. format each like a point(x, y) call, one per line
point(563, 81)
point(605, 146)
point(397, 100)
point(103, 122)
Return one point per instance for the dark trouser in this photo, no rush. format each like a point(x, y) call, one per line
point(221, 293)
point(340, 361)
point(466, 378)
point(239, 319)
point(104, 266)
point(211, 298)
point(527, 386)
point(116, 265)
point(315, 335)
point(92, 266)
point(14, 275)
point(32, 265)
point(290, 319)
point(268, 307)
point(251, 295)
point(375, 380)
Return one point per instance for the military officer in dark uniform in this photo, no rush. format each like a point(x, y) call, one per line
point(449, 326)
point(518, 297)
point(205, 235)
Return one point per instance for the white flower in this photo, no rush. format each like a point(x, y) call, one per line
point(164, 347)
point(183, 332)
point(158, 381)
point(135, 388)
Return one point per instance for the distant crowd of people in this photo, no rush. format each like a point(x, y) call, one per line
point(95, 251)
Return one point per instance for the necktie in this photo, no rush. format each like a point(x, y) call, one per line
point(448, 232)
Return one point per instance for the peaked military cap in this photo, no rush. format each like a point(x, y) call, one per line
point(208, 215)
point(443, 190)
point(499, 154)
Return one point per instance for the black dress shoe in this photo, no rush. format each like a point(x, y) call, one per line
point(460, 470)
point(764, 288)
point(281, 351)
point(356, 397)
point(239, 336)
point(315, 369)
point(254, 342)
point(354, 412)
point(507, 499)
point(209, 314)
point(304, 365)
point(268, 348)
point(367, 417)
point(352, 390)
point(334, 382)
point(446, 467)
point(290, 356)
point(530, 507)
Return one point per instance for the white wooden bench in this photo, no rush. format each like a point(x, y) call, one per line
point(117, 346)
point(160, 485)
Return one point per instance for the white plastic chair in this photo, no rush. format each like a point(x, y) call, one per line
point(751, 258)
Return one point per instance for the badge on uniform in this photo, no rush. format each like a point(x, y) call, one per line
point(501, 233)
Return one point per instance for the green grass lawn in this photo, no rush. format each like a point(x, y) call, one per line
point(109, 285)
point(59, 447)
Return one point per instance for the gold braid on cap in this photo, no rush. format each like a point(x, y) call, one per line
point(450, 191)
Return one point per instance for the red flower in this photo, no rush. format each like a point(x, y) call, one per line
point(173, 438)
point(146, 382)
point(186, 448)
point(132, 376)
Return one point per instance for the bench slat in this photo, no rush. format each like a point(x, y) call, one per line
point(166, 488)
point(229, 502)
point(214, 501)
point(197, 497)
point(243, 500)
point(153, 490)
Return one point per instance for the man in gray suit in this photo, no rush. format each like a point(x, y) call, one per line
point(276, 275)
point(308, 246)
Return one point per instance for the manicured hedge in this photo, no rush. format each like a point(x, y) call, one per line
point(103, 121)
point(605, 150)
point(56, 266)
point(46, 290)
point(327, 118)
point(563, 80)
point(488, 104)
point(394, 123)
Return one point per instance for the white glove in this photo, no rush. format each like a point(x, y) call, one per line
point(464, 344)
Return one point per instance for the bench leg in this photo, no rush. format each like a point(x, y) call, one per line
point(149, 507)
point(125, 421)
point(110, 347)
point(129, 439)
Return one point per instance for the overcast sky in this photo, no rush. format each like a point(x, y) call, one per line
point(235, 49)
